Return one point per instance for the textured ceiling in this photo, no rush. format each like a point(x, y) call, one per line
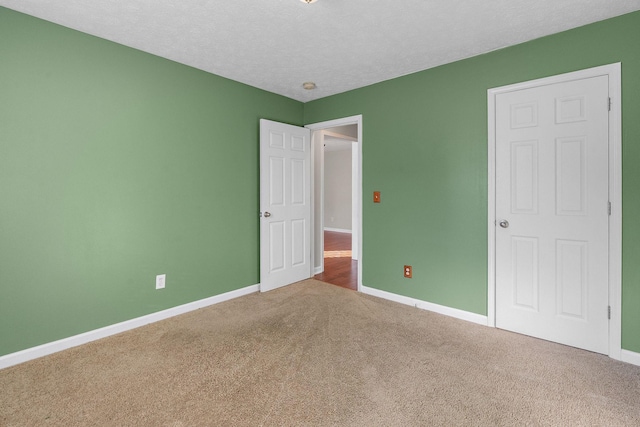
point(276, 45)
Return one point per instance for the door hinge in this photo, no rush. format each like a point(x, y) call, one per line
point(609, 104)
point(609, 312)
point(609, 208)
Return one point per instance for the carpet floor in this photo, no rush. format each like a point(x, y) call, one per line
point(319, 355)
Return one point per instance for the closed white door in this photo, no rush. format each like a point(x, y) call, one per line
point(552, 212)
point(285, 204)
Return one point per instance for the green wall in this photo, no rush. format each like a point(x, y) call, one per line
point(115, 166)
point(425, 149)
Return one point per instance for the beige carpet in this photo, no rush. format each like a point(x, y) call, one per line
point(317, 354)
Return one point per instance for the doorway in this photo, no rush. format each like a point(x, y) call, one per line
point(337, 195)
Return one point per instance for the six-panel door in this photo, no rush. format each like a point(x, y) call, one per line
point(285, 223)
point(552, 190)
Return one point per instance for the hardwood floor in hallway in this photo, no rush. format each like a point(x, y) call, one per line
point(339, 268)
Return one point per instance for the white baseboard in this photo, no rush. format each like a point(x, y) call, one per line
point(337, 230)
point(86, 337)
point(441, 309)
point(626, 355)
point(630, 357)
point(317, 270)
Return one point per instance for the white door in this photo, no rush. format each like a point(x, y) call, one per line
point(285, 204)
point(552, 219)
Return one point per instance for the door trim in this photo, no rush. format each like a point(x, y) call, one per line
point(351, 120)
point(613, 71)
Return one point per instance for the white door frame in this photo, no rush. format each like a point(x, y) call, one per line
point(356, 228)
point(613, 71)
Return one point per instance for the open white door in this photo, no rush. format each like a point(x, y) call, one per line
point(285, 204)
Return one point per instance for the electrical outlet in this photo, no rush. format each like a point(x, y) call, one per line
point(160, 281)
point(376, 197)
point(408, 271)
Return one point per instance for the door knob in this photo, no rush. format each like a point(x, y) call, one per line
point(267, 214)
point(504, 223)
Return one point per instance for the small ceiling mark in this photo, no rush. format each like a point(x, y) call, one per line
point(309, 85)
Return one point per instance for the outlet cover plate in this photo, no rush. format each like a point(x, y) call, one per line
point(160, 281)
point(408, 271)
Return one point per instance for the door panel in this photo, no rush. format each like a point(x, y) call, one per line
point(525, 272)
point(276, 244)
point(524, 177)
point(571, 277)
point(552, 189)
point(285, 204)
point(571, 176)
